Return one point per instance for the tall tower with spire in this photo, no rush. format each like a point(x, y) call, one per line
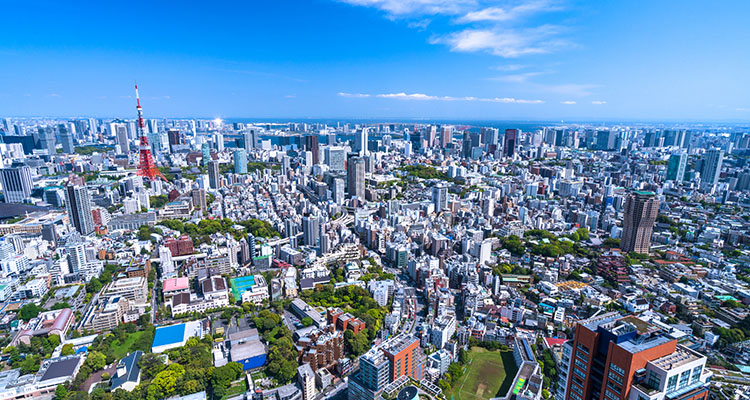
point(146, 166)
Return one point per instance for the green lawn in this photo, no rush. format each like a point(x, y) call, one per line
point(488, 374)
point(236, 389)
point(120, 350)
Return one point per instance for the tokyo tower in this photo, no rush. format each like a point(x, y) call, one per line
point(146, 166)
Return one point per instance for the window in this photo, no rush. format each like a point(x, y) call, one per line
point(615, 377)
point(617, 369)
point(672, 383)
point(654, 380)
point(583, 348)
point(579, 373)
point(582, 356)
point(580, 364)
point(684, 379)
point(575, 396)
point(697, 373)
point(611, 395)
point(576, 389)
point(578, 381)
point(614, 387)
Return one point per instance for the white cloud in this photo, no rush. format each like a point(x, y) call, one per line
point(568, 102)
point(598, 102)
point(353, 95)
point(500, 14)
point(509, 67)
point(290, 96)
point(53, 95)
point(421, 7)
point(517, 78)
point(507, 43)
point(424, 97)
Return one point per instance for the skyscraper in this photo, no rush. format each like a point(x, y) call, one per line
point(335, 158)
point(17, 183)
point(66, 137)
point(446, 136)
point(199, 198)
point(47, 139)
point(510, 142)
point(310, 229)
point(711, 169)
point(355, 176)
point(606, 140)
point(440, 197)
point(240, 161)
point(311, 145)
point(641, 210)
point(78, 204)
point(337, 191)
point(361, 142)
point(676, 166)
point(121, 133)
point(214, 178)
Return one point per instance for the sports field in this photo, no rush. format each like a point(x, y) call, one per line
point(487, 374)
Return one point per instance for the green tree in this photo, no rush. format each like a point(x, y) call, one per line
point(29, 311)
point(151, 364)
point(307, 321)
point(61, 392)
point(96, 361)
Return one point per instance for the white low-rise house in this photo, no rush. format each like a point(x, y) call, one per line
point(548, 288)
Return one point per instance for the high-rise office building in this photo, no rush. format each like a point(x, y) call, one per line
point(416, 141)
point(510, 142)
point(337, 190)
point(446, 136)
point(641, 210)
point(361, 141)
point(66, 137)
point(199, 198)
point(606, 140)
point(335, 158)
point(240, 161)
point(355, 175)
point(617, 357)
point(312, 145)
point(78, 204)
point(17, 183)
point(47, 139)
point(711, 169)
point(310, 230)
point(214, 178)
point(440, 197)
point(175, 138)
point(120, 132)
point(676, 166)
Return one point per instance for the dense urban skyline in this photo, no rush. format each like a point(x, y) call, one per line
point(539, 60)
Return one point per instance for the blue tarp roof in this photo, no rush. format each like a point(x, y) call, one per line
point(169, 334)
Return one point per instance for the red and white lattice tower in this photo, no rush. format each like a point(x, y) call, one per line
point(146, 166)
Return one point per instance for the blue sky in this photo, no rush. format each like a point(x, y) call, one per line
point(458, 59)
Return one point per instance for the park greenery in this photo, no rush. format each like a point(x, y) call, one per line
point(282, 356)
point(158, 201)
point(546, 244)
point(426, 172)
point(200, 233)
point(359, 303)
point(89, 150)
